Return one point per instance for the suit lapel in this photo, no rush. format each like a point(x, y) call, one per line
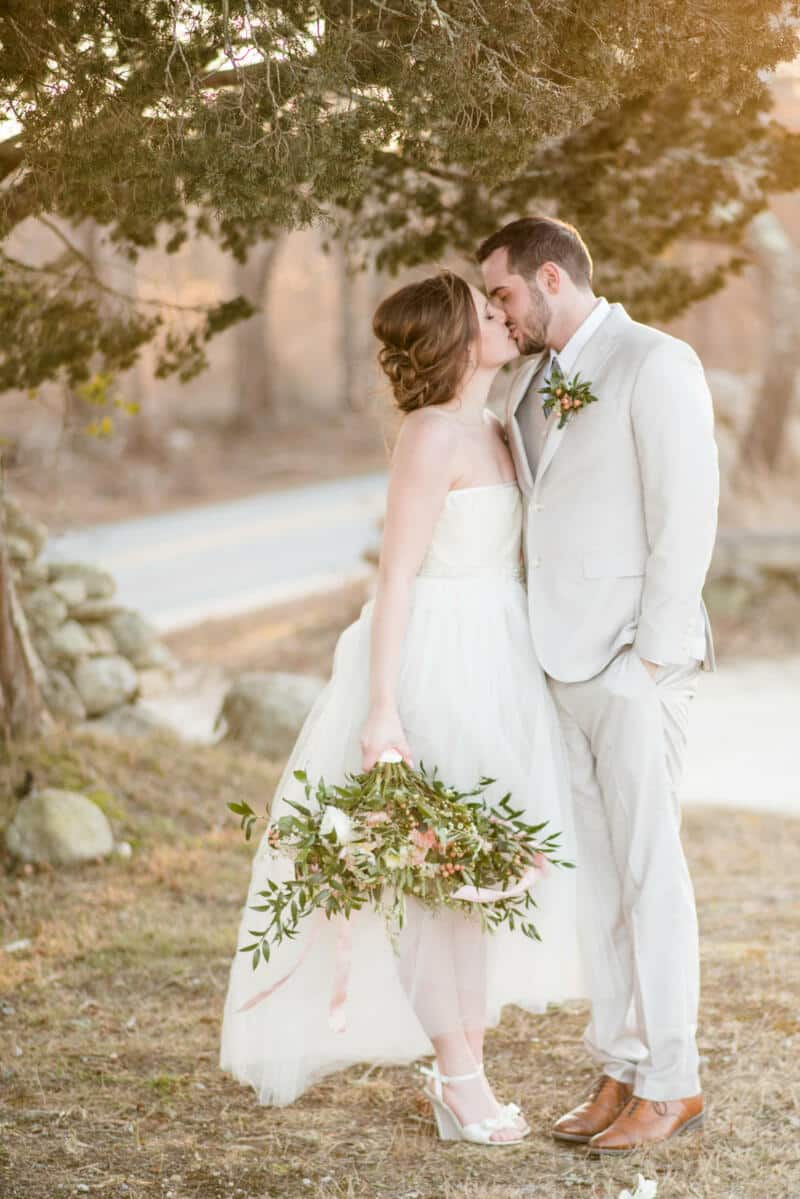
point(590, 361)
point(518, 388)
point(522, 379)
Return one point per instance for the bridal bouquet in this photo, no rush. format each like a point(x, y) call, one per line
point(395, 831)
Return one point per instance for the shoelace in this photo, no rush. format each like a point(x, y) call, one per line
point(634, 1104)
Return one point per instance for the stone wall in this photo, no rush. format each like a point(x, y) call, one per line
point(97, 654)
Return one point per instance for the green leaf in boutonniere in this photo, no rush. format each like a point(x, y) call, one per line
point(567, 395)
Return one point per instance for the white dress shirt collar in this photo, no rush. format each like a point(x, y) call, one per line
point(567, 356)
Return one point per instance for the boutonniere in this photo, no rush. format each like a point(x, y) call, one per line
point(567, 395)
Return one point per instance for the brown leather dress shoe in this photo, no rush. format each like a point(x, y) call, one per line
point(606, 1100)
point(646, 1121)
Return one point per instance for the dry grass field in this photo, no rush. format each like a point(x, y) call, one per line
point(110, 1020)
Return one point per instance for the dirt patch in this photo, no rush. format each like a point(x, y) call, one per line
point(110, 1022)
point(298, 635)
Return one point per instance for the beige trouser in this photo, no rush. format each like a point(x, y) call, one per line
point(626, 739)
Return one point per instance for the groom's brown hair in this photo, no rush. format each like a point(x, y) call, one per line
point(534, 240)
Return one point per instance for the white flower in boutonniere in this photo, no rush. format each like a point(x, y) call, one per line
point(566, 395)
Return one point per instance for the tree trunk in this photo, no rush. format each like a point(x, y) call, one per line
point(351, 393)
point(258, 405)
point(780, 273)
point(22, 709)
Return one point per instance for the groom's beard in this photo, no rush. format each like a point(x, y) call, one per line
point(532, 330)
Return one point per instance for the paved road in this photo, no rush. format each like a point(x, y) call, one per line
point(743, 736)
point(178, 568)
point(182, 567)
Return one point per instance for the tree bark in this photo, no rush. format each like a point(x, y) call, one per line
point(258, 404)
point(763, 442)
point(22, 709)
point(350, 334)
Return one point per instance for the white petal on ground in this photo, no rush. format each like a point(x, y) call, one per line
point(645, 1189)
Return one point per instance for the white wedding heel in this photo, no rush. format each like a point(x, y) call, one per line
point(479, 1132)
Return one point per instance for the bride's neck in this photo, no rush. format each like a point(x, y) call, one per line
point(470, 399)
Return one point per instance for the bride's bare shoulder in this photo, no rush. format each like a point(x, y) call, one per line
point(425, 426)
point(425, 443)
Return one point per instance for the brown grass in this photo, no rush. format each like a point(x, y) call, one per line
point(110, 1023)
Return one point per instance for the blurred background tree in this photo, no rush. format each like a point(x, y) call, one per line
point(427, 123)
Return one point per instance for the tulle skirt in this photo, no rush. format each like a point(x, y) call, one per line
point(474, 702)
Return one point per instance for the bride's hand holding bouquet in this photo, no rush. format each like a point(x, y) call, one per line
point(383, 730)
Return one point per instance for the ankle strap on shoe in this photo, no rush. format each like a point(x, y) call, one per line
point(433, 1072)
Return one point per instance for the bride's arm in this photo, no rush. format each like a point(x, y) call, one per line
point(423, 467)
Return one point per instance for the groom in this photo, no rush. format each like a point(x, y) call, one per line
point(620, 503)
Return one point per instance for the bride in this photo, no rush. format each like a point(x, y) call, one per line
point(440, 667)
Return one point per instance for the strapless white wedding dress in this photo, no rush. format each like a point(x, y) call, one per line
point(473, 701)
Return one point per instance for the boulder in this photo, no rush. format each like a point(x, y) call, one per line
point(58, 827)
point(105, 682)
point(70, 589)
point(35, 573)
point(61, 697)
point(158, 657)
point(99, 583)
point(96, 609)
point(265, 711)
point(135, 637)
point(22, 525)
point(19, 548)
point(101, 637)
point(129, 720)
point(44, 609)
point(70, 641)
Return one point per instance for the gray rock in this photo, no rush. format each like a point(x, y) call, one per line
point(158, 657)
point(44, 609)
point(265, 711)
point(19, 548)
point(134, 636)
point(72, 590)
point(749, 555)
point(129, 720)
point(19, 523)
point(101, 637)
point(105, 682)
point(70, 641)
point(96, 609)
point(61, 697)
point(99, 583)
point(59, 827)
point(34, 573)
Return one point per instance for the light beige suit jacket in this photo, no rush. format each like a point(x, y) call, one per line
point(620, 506)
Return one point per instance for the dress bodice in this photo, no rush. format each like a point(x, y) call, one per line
point(478, 534)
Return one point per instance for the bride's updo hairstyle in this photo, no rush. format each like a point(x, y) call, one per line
point(426, 330)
